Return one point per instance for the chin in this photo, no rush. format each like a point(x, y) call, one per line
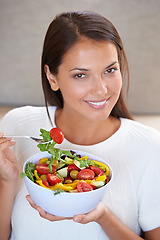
point(98, 117)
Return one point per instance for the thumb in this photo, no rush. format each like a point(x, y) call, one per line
point(91, 216)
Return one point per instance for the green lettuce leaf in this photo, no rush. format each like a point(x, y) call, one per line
point(46, 135)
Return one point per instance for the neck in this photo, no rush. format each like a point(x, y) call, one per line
point(86, 132)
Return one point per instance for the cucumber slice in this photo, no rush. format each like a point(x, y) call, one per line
point(98, 184)
point(68, 159)
point(77, 163)
point(63, 172)
point(61, 165)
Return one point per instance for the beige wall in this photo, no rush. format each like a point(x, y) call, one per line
point(23, 24)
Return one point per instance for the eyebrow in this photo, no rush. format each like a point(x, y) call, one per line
point(84, 69)
point(111, 64)
point(79, 69)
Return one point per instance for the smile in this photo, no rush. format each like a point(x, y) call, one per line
point(98, 104)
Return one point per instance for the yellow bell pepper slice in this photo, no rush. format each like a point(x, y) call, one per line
point(84, 157)
point(41, 184)
point(63, 187)
point(52, 187)
point(73, 184)
point(101, 178)
point(36, 175)
point(69, 162)
point(104, 166)
point(88, 181)
point(43, 160)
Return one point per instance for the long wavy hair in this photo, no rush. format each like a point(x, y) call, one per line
point(63, 32)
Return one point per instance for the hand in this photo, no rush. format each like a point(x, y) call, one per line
point(8, 164)
point(44, 214)
point(94, 215)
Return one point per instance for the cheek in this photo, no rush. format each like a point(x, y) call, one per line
point(79, 89)
point(72, 92)
point(116, 85)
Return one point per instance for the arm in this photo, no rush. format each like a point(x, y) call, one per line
point(8, 182)
point(113, 227)
point(7, 192)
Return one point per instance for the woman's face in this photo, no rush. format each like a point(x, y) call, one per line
point(89, 79)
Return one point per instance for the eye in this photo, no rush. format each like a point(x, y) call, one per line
point(79, 75)
point(111, 70)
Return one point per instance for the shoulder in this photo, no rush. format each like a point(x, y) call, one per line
point(17, 114)
point(138, 129)
point(27, 116)
point(141, 135)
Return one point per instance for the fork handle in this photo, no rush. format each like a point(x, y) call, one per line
point(16, 136)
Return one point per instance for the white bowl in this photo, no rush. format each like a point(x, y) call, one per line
point(65, 204)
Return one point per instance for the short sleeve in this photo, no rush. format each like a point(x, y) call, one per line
point(149, 192)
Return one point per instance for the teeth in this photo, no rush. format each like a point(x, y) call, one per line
point(98, 103)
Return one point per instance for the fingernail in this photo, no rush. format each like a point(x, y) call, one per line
point(77, 219)
point(27, 197)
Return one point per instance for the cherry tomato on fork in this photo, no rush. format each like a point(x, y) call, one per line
point(57, 135)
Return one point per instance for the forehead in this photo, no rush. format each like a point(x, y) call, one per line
point(87, 51)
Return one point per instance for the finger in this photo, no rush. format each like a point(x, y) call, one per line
point(91, 216)
point(85, 218)
point(49, 216)
point(1, 134)
point(3, 139)
point(43, 213)
point(5, 143)
point(80, 219)
point(31, 202)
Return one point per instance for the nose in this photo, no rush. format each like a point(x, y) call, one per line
point(99, 86)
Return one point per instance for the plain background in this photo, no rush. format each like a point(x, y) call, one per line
point(23, 24)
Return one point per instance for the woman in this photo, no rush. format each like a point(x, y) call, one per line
point(83, 69)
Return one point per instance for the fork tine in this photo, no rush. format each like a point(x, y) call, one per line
point(37, 140)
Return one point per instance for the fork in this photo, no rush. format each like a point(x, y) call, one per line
point(39, 140)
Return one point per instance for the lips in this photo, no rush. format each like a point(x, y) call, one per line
point(98, 104)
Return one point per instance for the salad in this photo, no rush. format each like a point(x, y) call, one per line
point(65, 170)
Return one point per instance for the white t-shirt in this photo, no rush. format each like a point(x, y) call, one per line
point(133, 153)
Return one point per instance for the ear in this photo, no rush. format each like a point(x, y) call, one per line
point(51, 78)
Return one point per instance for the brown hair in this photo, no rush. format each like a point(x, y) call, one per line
point(64, 31)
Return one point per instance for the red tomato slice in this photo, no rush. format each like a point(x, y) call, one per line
point(94, 187)
point(98, 171)
point(45, 183)
point(84, 187)
point(73, 167)
point(107, 179)
point(86, 174)
point(53, 179)
point(67, 178)
point(57, 135)
point(44, 169)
